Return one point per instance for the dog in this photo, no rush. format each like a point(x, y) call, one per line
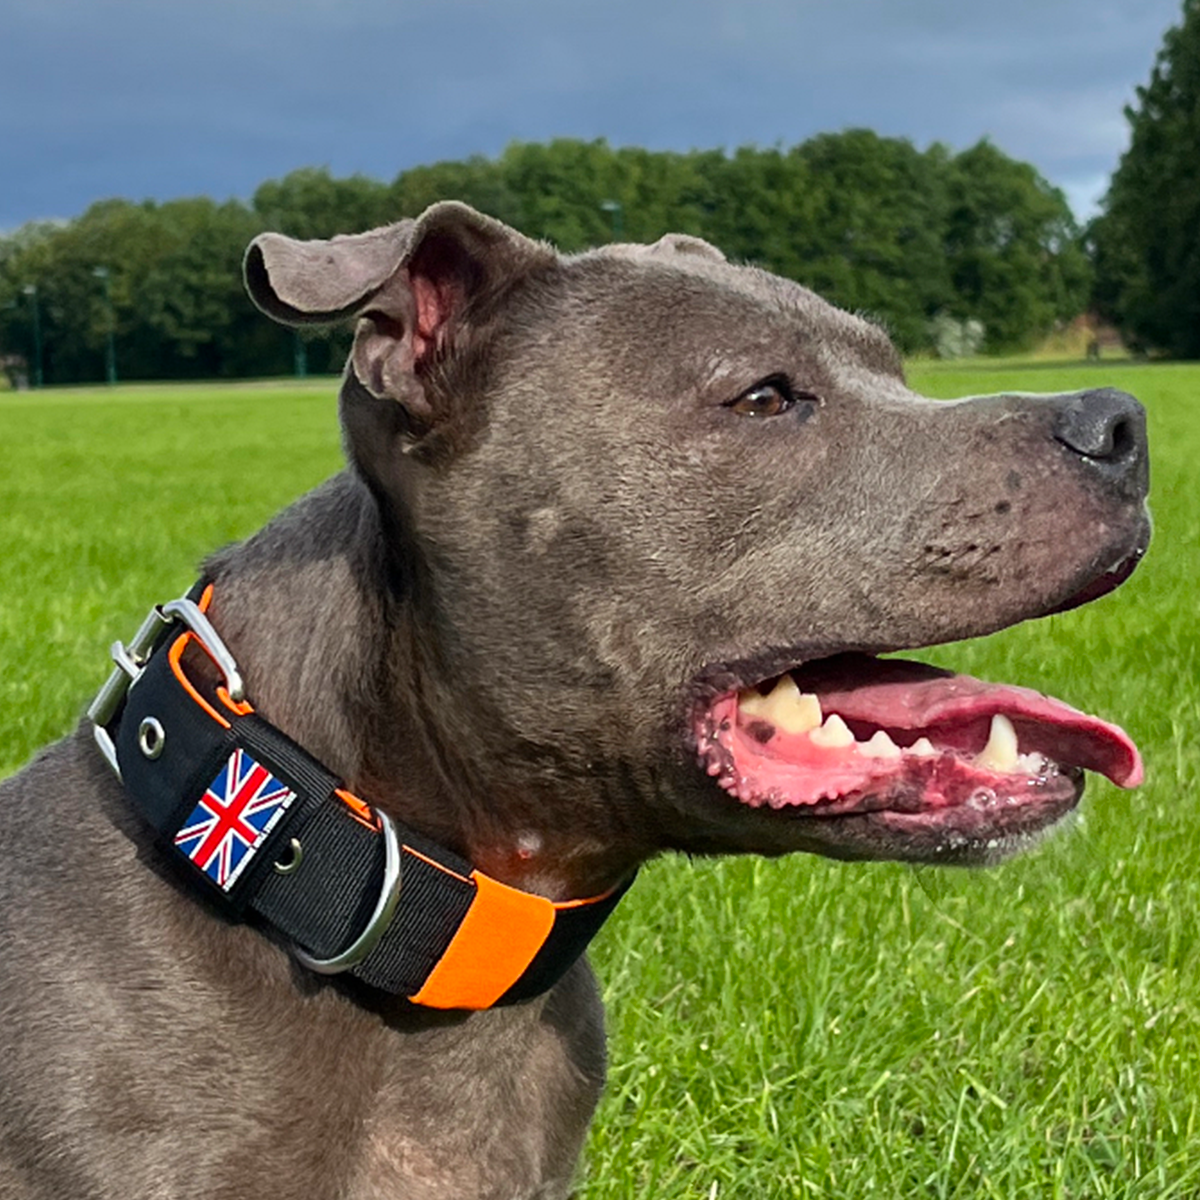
point(299, 910)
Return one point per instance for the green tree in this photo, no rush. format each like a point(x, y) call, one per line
point(476, 181)
point(912, 237)
point(761, 203)
point(311, 203)
point(1014, 250)
point(190, 305)
point(560, 185)
point(19, 251)
point(873, 241)
point(1146, 242)
point(61, 265)
point(174, 275)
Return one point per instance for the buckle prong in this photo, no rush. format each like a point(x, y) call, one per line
point(126, 661)
point(130, 660)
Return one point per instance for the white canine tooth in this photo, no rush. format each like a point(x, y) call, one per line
point(834, 733)
point(1000, 753)
point(880, 746)
point(922, 748)
point(786, 707)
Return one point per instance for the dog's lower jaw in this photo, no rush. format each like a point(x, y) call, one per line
point(888, 758)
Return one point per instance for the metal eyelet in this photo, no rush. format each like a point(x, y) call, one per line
point(295, 854)
point(151, 737)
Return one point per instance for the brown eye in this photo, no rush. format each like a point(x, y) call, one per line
point(770, 398)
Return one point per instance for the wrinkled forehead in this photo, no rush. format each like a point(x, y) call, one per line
point(686, 285)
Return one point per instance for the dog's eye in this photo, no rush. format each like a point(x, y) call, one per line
point(768, 398)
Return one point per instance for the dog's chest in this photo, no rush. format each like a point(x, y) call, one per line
point(196, 1050)
point(493, 1107)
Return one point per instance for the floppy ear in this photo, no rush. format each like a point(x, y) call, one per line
point(412, 284)
point(312, 283)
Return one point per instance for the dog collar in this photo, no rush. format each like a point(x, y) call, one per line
point(258, 826)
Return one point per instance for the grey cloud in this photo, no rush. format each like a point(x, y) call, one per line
point(142, 97)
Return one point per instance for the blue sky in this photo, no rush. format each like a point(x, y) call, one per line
point(157, 98)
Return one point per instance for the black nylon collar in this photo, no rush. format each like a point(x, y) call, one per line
point(262, 829)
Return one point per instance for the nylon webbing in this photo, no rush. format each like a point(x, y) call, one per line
point(316, 870)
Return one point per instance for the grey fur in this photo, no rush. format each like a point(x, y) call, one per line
point(553, 536)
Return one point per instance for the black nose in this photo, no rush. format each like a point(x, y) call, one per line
point(1106, 427)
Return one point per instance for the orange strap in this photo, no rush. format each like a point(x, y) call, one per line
point(503, 929)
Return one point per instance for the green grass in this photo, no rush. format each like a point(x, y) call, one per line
point(109, 500)
point(778, 1029)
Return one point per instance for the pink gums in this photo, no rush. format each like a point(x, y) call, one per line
point(760, 765)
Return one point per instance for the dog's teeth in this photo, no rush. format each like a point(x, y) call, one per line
point(801, 712)
point(880, 746)
point(1000, 753)
point(834, 733)
point(922, 748)
point(786, 707)
point(752, 703)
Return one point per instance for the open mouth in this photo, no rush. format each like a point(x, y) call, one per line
point(917, 748)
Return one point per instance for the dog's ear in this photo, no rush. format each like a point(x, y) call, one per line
point(412, 284)
point(314, 283)
point(683, 243)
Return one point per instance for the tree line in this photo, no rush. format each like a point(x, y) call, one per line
point(1146, 242)
point(919, 239)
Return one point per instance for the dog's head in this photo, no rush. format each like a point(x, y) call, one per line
point(654, 515)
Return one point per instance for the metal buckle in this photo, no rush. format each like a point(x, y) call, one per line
point(131, 661)
point(381, 918)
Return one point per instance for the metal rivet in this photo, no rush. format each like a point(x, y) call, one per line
point(295, 854)
point(151, 737)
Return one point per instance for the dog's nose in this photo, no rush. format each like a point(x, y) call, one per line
point(1106, 427)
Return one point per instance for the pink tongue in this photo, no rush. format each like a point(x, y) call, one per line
point(898, 695)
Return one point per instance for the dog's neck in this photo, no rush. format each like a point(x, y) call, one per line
point(350, 670)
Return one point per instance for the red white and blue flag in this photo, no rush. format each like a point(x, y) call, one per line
point(233, 818)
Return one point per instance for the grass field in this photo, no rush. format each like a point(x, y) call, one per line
point(778, 1029)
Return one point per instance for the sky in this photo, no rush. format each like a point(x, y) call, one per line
point(154, 99)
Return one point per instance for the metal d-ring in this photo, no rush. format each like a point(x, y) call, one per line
point(188, 611)
point(389, 896)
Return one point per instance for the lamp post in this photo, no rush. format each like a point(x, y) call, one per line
point(617, 213)
point(30, 290)
point(110, 348)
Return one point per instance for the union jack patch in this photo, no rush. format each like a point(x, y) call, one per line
point(233, 818)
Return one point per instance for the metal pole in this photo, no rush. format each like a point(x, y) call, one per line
point(617, 213)
point(30, 290)
point(299, 355)
point(110, 347)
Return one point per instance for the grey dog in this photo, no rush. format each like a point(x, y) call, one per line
point(620, 539)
